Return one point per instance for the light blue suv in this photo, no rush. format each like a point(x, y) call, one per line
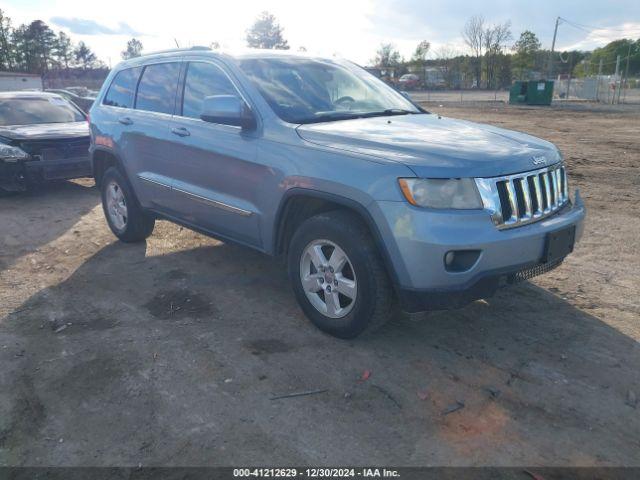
point(374, 201)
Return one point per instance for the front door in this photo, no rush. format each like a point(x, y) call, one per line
point(216, 176)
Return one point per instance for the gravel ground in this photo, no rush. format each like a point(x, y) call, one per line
point(170, 352)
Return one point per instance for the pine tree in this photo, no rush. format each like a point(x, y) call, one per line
point(266, 33)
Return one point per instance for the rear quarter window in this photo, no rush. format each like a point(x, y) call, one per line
point(122, 88)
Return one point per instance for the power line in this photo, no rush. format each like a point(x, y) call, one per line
point(591, 28)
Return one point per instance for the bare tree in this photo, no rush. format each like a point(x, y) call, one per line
point(473, 35)
point(387, 56)
point(448, 65)
point(446, 52)
point(421, 52)
point(494, 39)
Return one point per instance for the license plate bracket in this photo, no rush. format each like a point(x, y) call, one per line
point(559, 244)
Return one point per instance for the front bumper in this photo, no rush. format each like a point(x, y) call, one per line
point(420, 239)
point(15, 176)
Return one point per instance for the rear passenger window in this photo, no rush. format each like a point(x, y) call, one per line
point(203, 80)
point(157, 88)
point(122, 88)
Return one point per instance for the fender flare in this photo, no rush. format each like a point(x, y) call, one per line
point(110, 152)
point(349, 203)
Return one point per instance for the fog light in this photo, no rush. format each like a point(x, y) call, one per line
point(460, 260)
point(449, 258)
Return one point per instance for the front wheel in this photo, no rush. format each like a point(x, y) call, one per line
point(338, 276)
point(127, 220)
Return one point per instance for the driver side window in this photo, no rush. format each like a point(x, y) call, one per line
point(203, 80)
point(341, 86)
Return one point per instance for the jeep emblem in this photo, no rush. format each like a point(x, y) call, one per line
point(539, 160)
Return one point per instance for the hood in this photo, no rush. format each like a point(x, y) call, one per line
point(45, 131)
point(436, 147)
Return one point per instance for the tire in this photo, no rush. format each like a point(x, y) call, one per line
point(362, 276)
point(127, 220)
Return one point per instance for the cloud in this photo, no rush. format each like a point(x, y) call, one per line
point(83, 26)
point(601, 36)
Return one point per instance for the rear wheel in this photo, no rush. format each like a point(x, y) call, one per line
point(338, 276)
point(127, 220)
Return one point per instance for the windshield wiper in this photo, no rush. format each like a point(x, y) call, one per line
point(350, 115)
point(330, 116)
point(389, 112)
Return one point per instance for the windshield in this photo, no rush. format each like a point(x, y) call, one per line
point(35, 110)
point(304, 90)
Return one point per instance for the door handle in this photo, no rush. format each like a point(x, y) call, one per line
point(180, 131)
point(125, 121)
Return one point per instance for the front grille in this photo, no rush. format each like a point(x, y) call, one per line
point(527, 273)
point(523, 198)
point(57, 149)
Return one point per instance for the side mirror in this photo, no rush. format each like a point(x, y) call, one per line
point(405, 94)
point(228, 110)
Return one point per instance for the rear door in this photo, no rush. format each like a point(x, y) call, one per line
point(216, 176)
point(145, 140)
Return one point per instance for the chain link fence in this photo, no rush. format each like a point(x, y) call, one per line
point(447, 96)
point(610, 89)
point(604, 89)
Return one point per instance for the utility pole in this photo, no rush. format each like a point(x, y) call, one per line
point(553, 47)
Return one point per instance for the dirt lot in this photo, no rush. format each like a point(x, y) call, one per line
point(169, 352)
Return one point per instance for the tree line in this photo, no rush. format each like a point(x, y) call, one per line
point(36, 48)
point(494, 59)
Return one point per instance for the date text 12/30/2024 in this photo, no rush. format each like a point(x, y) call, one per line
point(315, 473)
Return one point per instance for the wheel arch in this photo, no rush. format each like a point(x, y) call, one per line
point(298, 204)
point(101, 160)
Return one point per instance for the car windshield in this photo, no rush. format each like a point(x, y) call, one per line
point(305, 90)
point(36, 110)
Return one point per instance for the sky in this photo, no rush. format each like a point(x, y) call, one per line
point(353, 29)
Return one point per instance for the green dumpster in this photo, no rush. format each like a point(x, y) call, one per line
point(531, 92)
point(518, 93)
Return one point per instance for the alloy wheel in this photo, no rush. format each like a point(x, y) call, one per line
point(328, 278)
point(116, 206)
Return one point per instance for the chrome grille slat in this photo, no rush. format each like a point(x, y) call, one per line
point(552, 188)
point(538, 194)
point(513, 203)
point(547, 192)
point(523, 198)
point(528, 212)
point(556, 187)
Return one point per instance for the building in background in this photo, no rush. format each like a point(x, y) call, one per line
point(12, 81)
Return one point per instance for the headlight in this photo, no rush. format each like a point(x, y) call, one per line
point(9, 153)
point(457, 193)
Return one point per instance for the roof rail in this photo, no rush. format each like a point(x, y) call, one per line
point(172, 50)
